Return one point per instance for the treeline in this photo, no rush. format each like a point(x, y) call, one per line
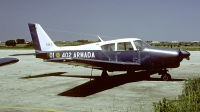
point(168, 44)
point(14, 42)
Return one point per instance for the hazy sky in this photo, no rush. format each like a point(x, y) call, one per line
point(167, 20)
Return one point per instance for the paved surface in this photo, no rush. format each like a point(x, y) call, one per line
point(34, 85)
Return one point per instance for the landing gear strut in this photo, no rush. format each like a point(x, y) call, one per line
point(104, 73)
point(165, 76)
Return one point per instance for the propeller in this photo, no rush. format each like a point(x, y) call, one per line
point(184, 54)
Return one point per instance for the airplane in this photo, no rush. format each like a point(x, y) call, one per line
point(7, 61)
point(126, 54)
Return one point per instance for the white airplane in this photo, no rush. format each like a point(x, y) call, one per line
point(128, 54)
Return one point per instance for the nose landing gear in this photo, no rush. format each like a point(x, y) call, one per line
point(164, 75)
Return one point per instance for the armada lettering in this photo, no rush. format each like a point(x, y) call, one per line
point(84, 55)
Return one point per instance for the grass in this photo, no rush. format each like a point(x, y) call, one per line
point(188, 101)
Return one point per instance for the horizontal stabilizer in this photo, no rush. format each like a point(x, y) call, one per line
point(6, 61)
point(22, 54)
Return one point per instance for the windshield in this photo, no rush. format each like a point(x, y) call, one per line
point(140, 44)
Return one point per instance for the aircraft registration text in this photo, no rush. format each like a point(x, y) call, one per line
point(72, 55)
point(48, 44)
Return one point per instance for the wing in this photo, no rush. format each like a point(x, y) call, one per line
point(6, 61)
point(92, 63)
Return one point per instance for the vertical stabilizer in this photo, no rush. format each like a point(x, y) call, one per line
point(41, 40)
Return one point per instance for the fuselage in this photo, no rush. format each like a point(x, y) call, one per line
point(128, 54)
point(130, 51)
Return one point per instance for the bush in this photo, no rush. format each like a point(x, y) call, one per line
point(20, 41)
point(188, 101)
point(10, 43)
point(29, 45)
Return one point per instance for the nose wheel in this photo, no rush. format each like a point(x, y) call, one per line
point(166, 77)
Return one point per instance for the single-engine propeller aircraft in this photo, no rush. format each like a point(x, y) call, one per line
point(128, 54)
point(7, 61)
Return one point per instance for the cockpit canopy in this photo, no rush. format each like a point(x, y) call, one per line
point(125, 45)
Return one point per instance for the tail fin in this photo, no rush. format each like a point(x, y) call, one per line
point(41, 40)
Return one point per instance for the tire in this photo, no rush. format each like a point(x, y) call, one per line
point(166, 77)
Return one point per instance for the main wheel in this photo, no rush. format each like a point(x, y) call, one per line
point(166, 77)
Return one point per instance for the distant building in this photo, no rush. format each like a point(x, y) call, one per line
point(27, 42)
point(174, 42)
point(195, 41)
point(155, 42)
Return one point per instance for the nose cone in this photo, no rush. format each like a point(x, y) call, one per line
point(184, 54)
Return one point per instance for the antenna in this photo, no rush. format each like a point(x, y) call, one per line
point(100, 38)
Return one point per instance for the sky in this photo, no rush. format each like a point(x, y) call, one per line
point(70, 20)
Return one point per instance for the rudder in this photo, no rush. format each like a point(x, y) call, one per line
point(41, 40)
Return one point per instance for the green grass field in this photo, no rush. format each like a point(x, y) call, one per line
point(188, 101)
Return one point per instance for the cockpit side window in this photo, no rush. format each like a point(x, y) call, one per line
point(108, 47)
point(124, 46)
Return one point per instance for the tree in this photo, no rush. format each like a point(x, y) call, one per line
point(10, 43)
point(20, 41)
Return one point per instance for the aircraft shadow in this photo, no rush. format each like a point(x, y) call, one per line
point(99, 84)
point(44, 75)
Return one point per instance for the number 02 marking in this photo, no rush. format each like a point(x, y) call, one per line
point(66, 54)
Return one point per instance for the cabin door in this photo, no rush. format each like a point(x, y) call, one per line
point(128, 56)
point(126, 53)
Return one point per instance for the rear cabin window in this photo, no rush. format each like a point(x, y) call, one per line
point(108, 47)
point(124, 46)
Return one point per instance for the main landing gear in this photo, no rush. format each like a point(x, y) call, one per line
point(164, 75)
point(104, 73)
